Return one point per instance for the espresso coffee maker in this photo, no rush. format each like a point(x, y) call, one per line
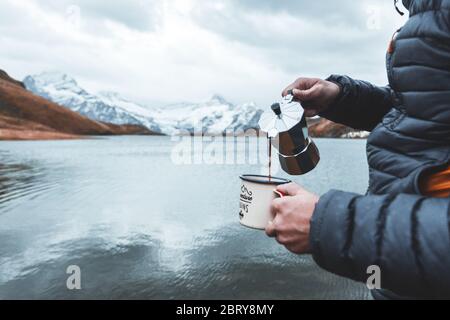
point(286, 127)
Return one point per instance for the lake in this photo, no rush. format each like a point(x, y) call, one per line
point(141, 225)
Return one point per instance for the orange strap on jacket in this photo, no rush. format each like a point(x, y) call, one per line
point(437, 185)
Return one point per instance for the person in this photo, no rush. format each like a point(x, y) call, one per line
point(402, 225)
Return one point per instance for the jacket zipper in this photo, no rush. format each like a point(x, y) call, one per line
point(391, 50)
point(390, 72)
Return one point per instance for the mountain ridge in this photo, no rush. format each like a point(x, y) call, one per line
point(213, 116)
point(25, 116)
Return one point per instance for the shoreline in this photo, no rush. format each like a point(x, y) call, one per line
point(35, 135)
point(38, 135)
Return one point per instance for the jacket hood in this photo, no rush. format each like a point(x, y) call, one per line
point(407, 3)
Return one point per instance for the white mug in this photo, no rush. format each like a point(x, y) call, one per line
point(257, 194)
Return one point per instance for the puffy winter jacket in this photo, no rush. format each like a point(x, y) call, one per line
point(395, 227)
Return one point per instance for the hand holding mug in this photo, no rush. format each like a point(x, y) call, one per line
point(293, 213)
point(315, 95)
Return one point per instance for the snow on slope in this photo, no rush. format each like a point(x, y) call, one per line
point(214, 116)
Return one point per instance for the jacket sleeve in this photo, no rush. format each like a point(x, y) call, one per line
point(360, 105)
point(407, 236)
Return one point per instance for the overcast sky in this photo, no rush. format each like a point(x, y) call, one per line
point(164, 51)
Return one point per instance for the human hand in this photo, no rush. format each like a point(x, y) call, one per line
point(315, 95)
point(293, 213)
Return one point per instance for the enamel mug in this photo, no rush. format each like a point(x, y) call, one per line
point(257, 194)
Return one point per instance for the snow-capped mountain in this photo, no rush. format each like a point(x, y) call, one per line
point(214, 116)
point(105, 107)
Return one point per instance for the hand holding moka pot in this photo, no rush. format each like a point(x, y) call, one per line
point(286, 125)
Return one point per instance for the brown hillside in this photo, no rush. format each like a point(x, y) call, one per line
point(21, 110)
point(7, 78)
point(324, 128)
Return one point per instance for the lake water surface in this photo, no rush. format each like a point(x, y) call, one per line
point(141, 227)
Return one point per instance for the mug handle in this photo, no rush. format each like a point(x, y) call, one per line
point(279, 194)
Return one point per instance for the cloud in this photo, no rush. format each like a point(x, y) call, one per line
point(303, 34)
point(165, 51)
point(141, 15)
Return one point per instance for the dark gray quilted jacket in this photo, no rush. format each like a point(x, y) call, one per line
point(394, 226)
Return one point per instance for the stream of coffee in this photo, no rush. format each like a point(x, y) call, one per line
point(270, 158)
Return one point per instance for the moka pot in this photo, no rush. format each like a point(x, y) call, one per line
point(286, 124)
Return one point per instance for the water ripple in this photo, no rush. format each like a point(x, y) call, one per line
point(23, 181)
point(141, 227)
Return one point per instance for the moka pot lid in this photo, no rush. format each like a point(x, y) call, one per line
point(283, 117)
